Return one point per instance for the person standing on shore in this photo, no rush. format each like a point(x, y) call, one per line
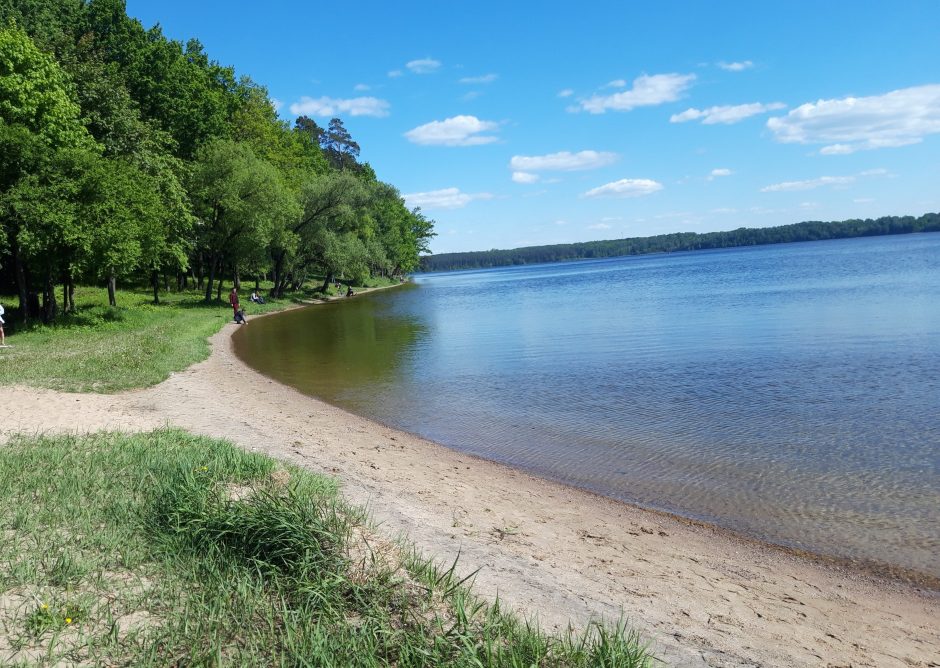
point(3, 336)
point(233, 300)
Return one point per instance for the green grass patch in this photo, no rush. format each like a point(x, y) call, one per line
point(136, 344)
point(169, 549)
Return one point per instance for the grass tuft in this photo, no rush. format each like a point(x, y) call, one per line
point(170, 549)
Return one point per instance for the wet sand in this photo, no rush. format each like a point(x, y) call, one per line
point(700, 595)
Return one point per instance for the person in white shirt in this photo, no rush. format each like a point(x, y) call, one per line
point(3, 337)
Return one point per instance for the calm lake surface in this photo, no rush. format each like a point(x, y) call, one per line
point(789, 392)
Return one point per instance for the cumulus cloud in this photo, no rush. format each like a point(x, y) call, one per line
point(455, 131)
point(329, 106)
point(809, 184)
point(726, 113)
point(484, 79)
point(625, 188)
point(565, 92)
point(647, 90)
point(563, 161)
point(423, 65)
point(524, 177)
point(716, 173)
point(446, 198)
point(897, 118)
point(736, 66)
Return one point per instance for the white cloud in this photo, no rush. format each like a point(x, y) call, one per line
point(716, 173)
point(361, 88)
point(470, 95)
point(724, 209)
point(647, 91)
point(329, 106)
point(524, 177)
point(897, 118)
point(423, 65)
point(564, 161)
point(446, 198)
point(625, 188)
point(726, 113)
point(617, 83)
point(880, 171)
point(837, 149)
point(599, 226)
point(276, 103)
point(484, 79)
point(565, 92)
point(809, 184)
point(395, 73)
point(455, 131)
point(736, 66)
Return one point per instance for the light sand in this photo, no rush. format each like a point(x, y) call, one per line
point(700, 595)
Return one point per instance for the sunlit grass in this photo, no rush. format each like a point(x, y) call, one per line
point(169, 549)
point(136, 344)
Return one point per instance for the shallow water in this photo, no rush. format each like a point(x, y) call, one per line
point(789, 392)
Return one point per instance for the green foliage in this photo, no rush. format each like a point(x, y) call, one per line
point(124, 155)
point(684, 241)
point(35, 93)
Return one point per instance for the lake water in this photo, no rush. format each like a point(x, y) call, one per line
point(788, 392)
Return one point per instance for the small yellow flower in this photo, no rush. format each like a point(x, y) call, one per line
point(205, 468)
point(45, 606)
point(68, 620)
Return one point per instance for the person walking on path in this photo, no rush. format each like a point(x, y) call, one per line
point(3, 336)
point(233, 300)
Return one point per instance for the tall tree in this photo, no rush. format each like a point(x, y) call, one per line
point(240, 202)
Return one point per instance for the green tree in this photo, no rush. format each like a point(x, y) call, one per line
point(240, 202)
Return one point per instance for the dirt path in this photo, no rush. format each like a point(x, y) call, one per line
point(701, 596)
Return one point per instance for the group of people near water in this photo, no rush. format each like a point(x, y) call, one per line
point(237, 312)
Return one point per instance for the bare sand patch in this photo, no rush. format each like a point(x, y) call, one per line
point(701, 595)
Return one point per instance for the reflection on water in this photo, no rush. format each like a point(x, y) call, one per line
point(790, 392)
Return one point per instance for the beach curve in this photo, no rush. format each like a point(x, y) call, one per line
point(703, 596)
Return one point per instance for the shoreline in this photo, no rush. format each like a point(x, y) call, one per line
point(887, 573)
point(702, 594)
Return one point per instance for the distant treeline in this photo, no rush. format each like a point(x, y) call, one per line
point(683, 241)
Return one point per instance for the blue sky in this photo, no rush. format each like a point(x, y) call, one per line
point(521, 123)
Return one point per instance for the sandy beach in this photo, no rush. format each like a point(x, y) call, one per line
point(700, 595)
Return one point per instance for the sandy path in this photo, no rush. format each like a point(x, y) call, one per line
point(701, 596)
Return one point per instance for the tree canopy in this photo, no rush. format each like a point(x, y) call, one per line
point(127, 156)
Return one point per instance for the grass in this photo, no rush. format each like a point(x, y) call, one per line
point(137, 344)
point(169, 549)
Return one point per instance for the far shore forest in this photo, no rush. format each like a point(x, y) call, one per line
point(683, 241)
point(127, 158)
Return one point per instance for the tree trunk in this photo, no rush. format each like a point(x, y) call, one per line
point(212, 263)
point(218, 294)
point(71, 295)
point(48, 299)
point(155, 281)
point(278, 274)
point(327, 281)
point(236, 279)
point(257, 282)
point(166, 282)
point(112, 284)
point(25, 302)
